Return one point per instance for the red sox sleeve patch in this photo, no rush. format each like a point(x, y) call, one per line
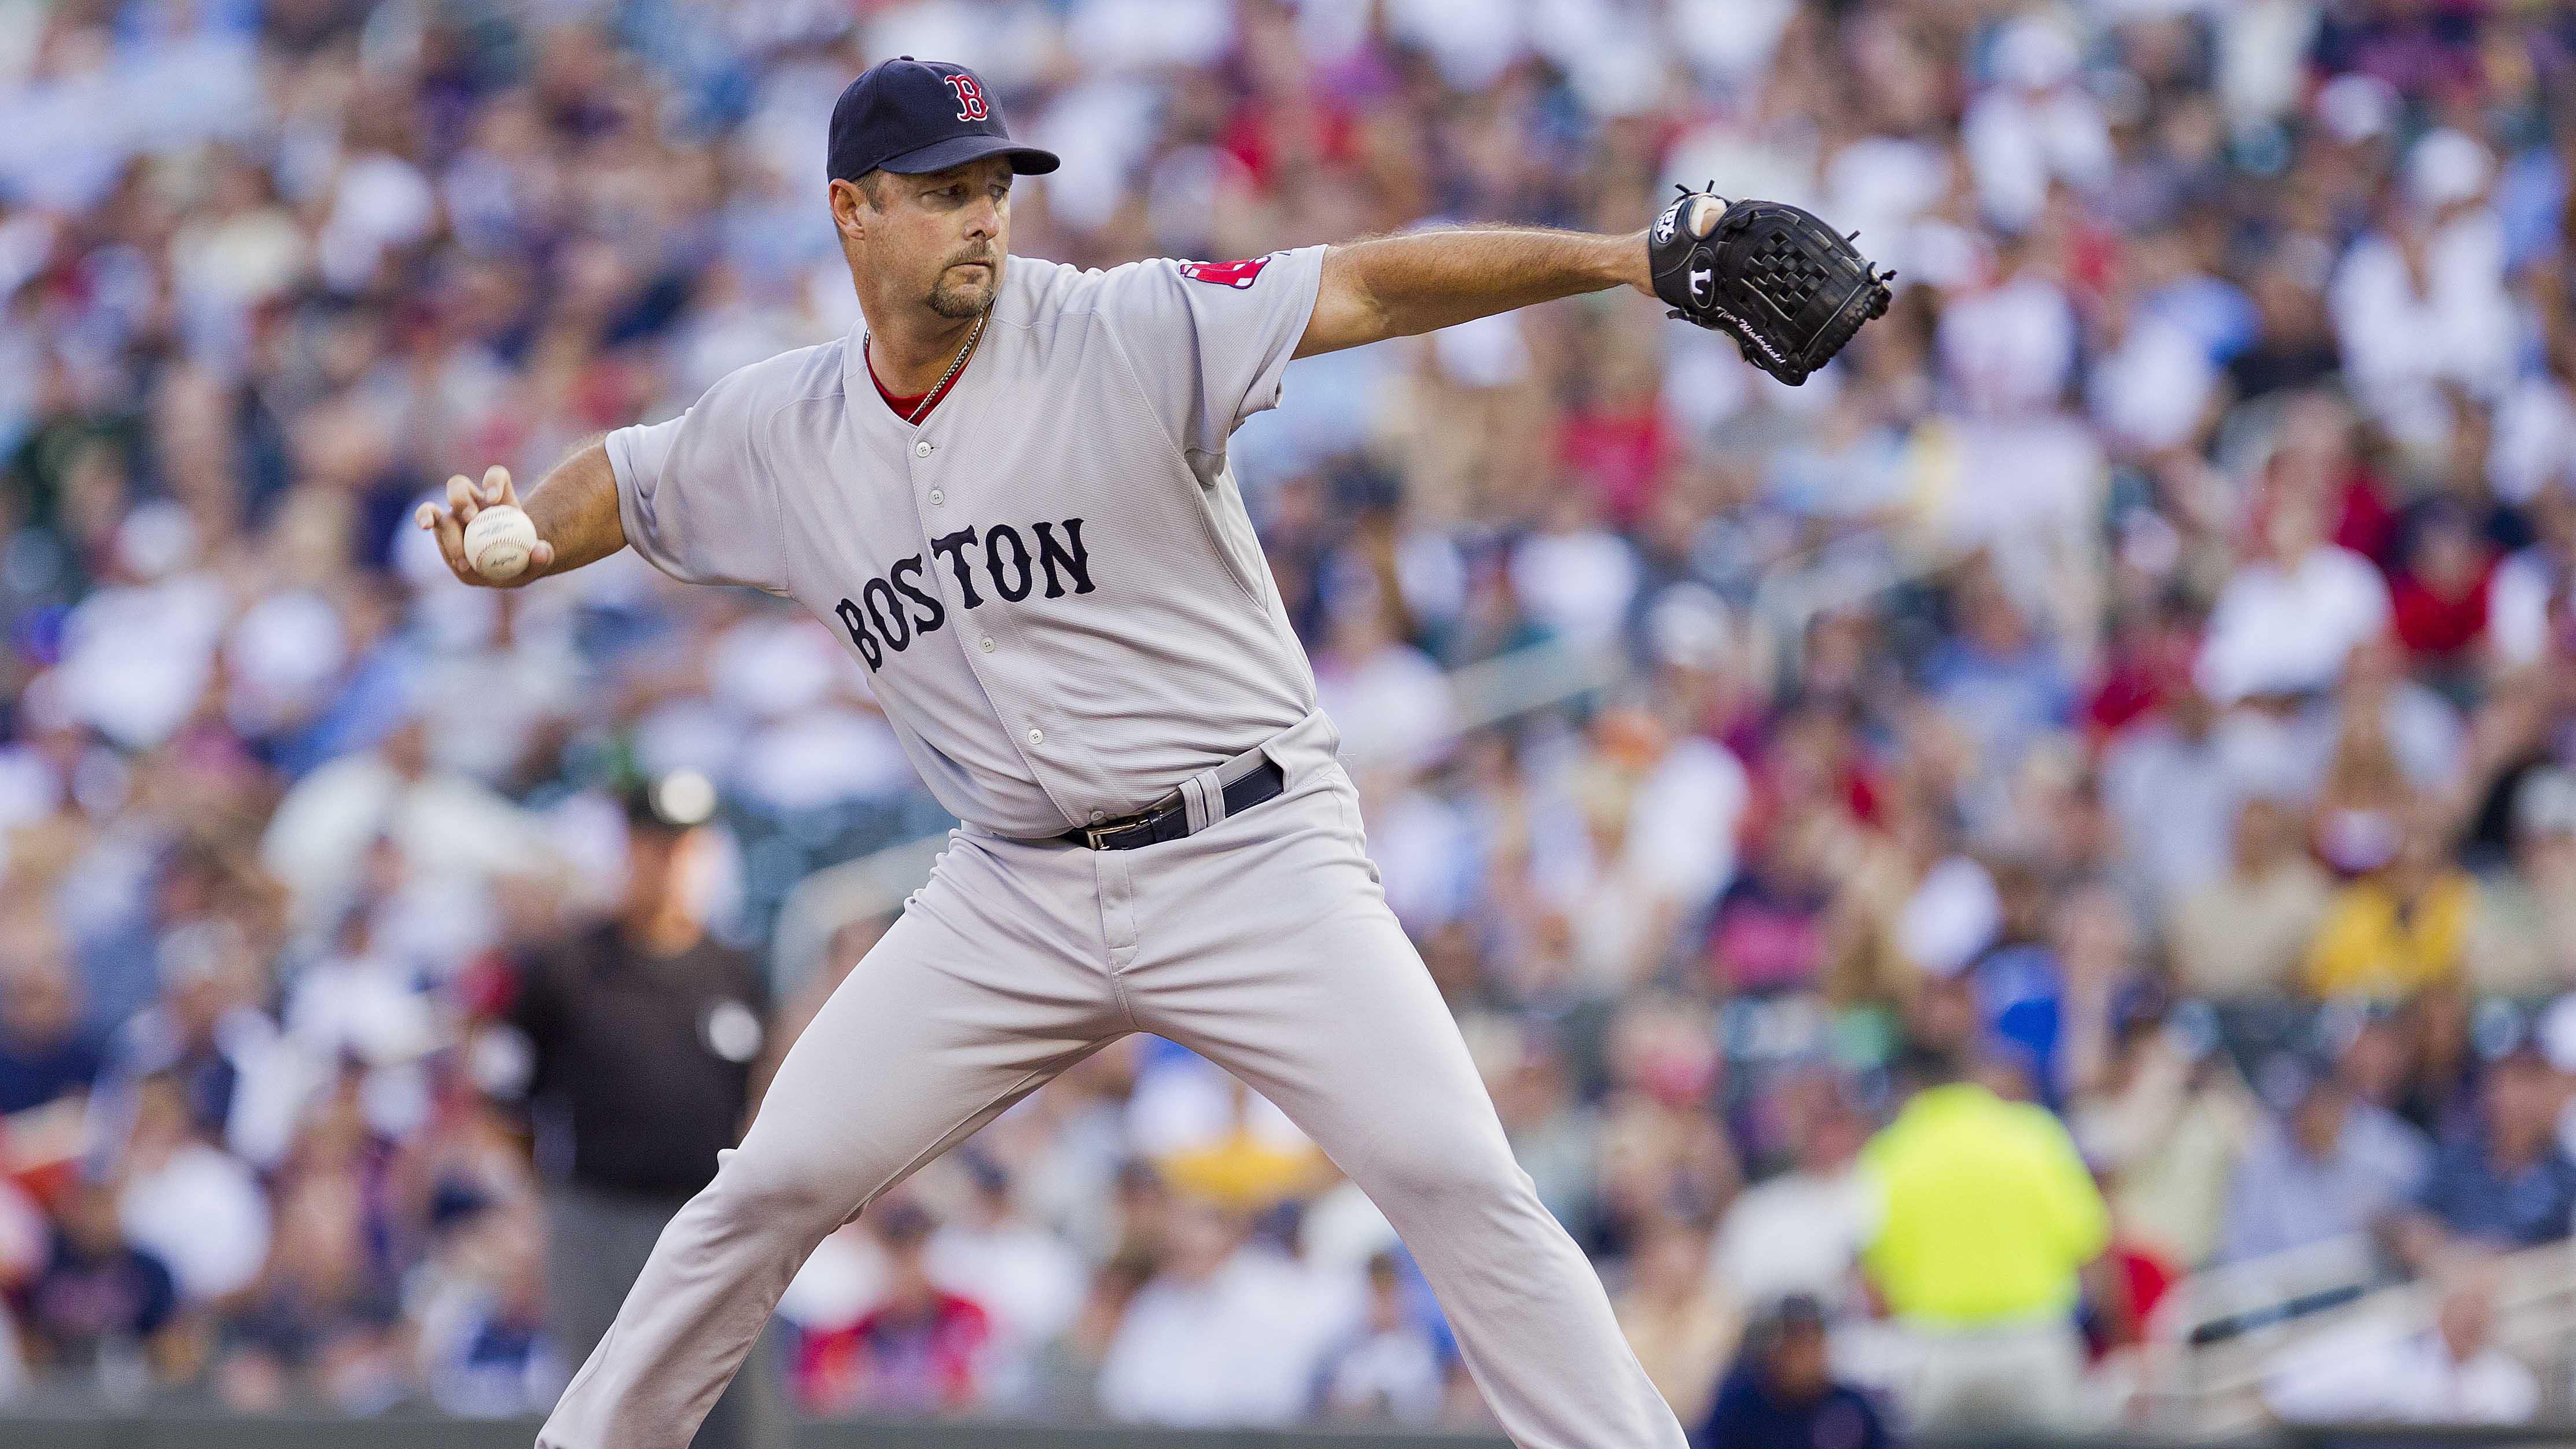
point(1238, 275)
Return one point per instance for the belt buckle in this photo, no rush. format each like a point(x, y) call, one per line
point(1096, 836)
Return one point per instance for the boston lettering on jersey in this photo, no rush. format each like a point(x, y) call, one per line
point(894, 609)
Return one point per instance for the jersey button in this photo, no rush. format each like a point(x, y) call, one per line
point(985, 643)
point(921, 449)
point(1037, 736)
point(1099, 815)
point(937, 498)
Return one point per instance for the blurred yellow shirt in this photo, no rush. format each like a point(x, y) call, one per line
point(1243, 1172)
point(1986, 1211)
point(2364, 947)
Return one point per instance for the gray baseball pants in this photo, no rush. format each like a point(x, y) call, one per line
point(1264, 943)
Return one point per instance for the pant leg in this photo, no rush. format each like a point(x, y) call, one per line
point(990, 983)
point(597, 1243)
point(748, 1414)
point(2026, 1379)
point(2049, 1397)
point(1265, 944)
point(595, 1248)
point(1944, 1383)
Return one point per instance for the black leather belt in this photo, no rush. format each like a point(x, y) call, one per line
point(1171, 820)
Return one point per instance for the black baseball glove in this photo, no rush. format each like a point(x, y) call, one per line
point(1782, 283)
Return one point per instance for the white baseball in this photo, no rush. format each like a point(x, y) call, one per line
point(499, 541)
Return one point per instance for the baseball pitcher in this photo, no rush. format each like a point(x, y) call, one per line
point(1007, 490)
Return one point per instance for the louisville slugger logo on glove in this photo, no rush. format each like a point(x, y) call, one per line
point(1784, 285)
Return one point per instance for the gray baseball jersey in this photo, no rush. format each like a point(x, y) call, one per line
point(1051, 581)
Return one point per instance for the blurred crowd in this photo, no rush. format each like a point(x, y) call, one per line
point(2091, 797)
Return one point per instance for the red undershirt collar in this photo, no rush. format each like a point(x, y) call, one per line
point(905, 407)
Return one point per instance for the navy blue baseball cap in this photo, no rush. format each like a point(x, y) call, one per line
point(914, 116)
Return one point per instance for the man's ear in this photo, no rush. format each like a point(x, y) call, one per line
point(849, 210)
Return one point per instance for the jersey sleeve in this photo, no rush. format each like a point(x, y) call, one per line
point(695, 493)
point(1209, 340)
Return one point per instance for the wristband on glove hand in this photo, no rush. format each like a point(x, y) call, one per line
point(1774, 277)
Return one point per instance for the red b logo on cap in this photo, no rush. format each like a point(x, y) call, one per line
point(970, 97)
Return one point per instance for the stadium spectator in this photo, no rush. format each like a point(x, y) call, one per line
point(238, 1078)
point(1387, 1370)
point(2439, 603)
point(186, 1201)
point(1998, 679)
point(2403, 923)
point(47, 1052)
point(2168, 782)
point(484, 1349)
point(323, 1323)
point(2166, 1122)
point(1063, 1380)
point(1661, 1153)
point(1770, 925)
point(1800, 1230)
point(1553, 1132)
point(2523, 944)
point(1986, 1216)
point(102, 1310)
point(2025, 985)
point(2452, 1372)
point(922, 1350)
point(2244, 934)
point(2500, 1180)
point(1227, 1333)
point(2287, 620)
point(2329, 1163)
point(2533, 594)
point(1027, 1281)
point(1676, 1318)
point(1781, 1392)
point(2422, 1061)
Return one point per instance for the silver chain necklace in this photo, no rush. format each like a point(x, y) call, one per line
point(950, 375)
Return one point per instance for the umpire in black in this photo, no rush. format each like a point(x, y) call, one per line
point(644, 1031)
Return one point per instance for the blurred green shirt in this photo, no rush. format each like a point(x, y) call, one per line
point(1985, 1210)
